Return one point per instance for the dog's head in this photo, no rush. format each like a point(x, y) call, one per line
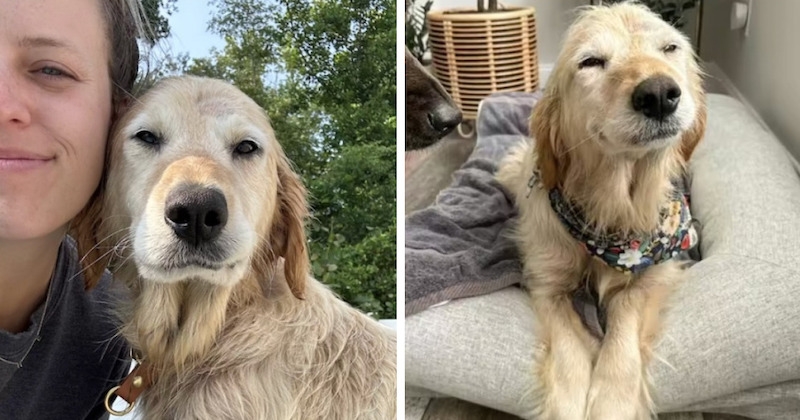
point(199, 188)
point(625, 82)
point(430, 112)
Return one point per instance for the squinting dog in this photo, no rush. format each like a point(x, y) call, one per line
point(602, 205)
point(430, 112)
point(206, 218)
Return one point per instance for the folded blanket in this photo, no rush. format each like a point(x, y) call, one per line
point(460, 246)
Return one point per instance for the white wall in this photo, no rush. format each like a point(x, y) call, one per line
point(552, 19)
point(763, 66)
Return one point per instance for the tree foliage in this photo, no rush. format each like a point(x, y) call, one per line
point(156, 14)
point(324, 70)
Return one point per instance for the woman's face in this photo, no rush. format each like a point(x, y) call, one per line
point(55, 112)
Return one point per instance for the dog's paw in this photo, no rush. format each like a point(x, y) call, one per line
point(613, 400)
point(564, 411)
point(565, 398)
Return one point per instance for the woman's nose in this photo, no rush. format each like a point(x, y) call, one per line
point(13, 106)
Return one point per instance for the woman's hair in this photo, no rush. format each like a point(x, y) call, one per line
point(125, 23)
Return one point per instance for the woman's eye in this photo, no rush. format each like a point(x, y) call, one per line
point(147, 137)
point(670, 48)
point(53, 72)
point(592, 62)
point(246, 147)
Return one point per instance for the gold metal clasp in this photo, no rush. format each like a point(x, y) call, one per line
point(111, 410)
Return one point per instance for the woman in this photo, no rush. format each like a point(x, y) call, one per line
point(65, 68)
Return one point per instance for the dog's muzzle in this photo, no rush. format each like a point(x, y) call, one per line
point(196, 213)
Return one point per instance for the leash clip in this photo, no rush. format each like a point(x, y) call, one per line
point(136, 381)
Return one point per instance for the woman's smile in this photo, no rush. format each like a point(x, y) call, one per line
point(12, 160)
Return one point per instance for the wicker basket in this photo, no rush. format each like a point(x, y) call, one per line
point(477, 54)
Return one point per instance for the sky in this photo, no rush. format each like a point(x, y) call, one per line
point(189, 29)
point(189, 34)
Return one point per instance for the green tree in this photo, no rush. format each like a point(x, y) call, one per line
point(324, 70)
point(156, 13)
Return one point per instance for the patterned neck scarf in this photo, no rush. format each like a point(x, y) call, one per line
point(634, 253)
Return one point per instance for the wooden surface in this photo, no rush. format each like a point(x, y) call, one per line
point(455, 409)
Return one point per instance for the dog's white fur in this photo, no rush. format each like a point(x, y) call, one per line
point(251, 337)
point(589, 144)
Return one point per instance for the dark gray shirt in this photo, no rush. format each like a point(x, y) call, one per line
point(62, 366)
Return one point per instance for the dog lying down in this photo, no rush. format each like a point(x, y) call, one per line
point(204, 220)
point(602, 206)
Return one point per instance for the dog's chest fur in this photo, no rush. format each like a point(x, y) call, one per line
point(286, 359)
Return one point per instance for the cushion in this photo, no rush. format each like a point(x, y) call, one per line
point(731, 337)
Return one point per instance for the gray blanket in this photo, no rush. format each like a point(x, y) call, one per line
point(460, 246)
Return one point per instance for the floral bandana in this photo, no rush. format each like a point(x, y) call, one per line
point(634, 253)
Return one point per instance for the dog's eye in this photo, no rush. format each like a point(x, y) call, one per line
point(592, 62)
point(147, 137)
point(246, 147)
point(670, 48)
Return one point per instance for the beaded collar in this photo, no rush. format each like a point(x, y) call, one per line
point(633, 253)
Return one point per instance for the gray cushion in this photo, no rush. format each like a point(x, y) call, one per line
point(732, 338)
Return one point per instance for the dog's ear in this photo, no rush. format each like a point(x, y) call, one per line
point(692, 137)
point(545, 130)
point(84, 228)
point(288, 236)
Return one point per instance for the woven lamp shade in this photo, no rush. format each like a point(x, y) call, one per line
point(476, 54)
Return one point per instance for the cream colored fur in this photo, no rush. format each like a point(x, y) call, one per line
point(586, 136)
point(255, 337)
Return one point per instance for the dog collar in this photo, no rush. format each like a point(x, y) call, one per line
point(634, 253)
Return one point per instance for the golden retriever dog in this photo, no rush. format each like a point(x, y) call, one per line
point(206, 219)
point(602, 206)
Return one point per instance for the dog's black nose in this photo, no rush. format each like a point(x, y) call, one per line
point(196, 214)
point(657, 97)
point(444, 118)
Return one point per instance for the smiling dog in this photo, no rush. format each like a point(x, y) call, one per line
point(602, 205)
point(207, 221)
